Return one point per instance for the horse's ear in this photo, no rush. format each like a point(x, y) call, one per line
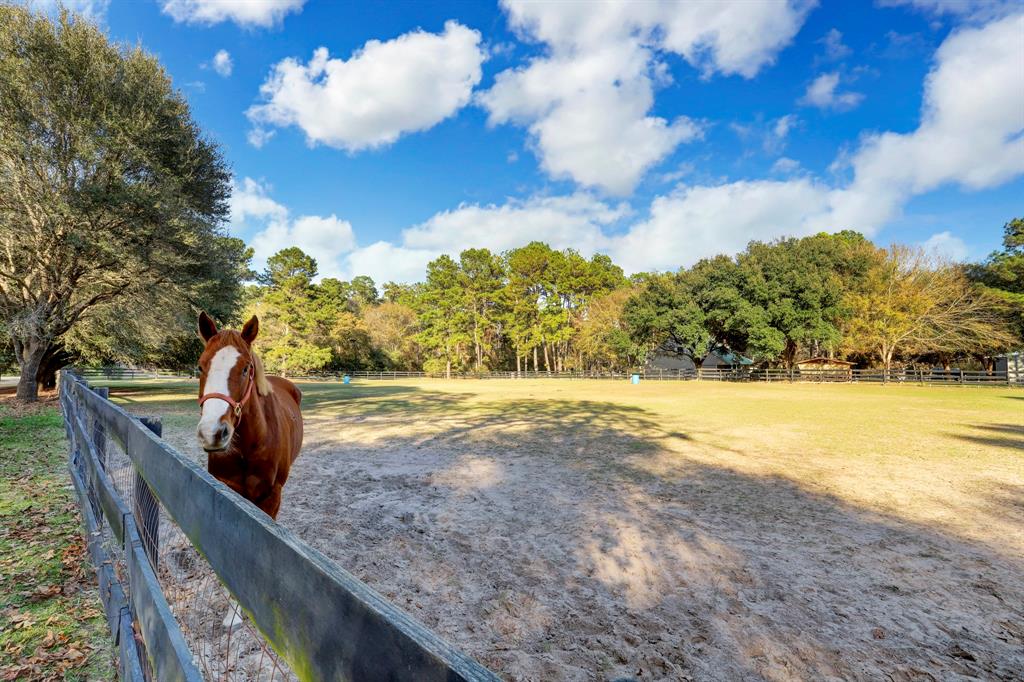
point(251, 329)
point(207, 327)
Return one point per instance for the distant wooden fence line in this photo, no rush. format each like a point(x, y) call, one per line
point(325, 623)
point(923, 376)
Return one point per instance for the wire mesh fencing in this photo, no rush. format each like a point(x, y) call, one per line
point(224, 643)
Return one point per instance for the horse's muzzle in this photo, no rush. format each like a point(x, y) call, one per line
point(220, 440)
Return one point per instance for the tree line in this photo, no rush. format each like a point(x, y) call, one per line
point(535, 308)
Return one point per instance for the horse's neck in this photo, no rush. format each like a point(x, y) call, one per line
point(253, 425)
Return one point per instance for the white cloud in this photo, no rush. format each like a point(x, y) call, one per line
point(776, 137)
point(247, 13)
point(250, 200)
point(822, 93)
point(253, 212)
point(385, 262)
point(259, 136)
point(573, 220)
point(697, 222)
point(785, 165)
point(834, 47)
point(772, 135)
point(783, 125)
point(974, 9)
point(327, 239)
point(386, 89)
point(222, 63)
point(946, 246)
point(970, 133)
point(681, 171)
point(577, 220)
point(586, 102)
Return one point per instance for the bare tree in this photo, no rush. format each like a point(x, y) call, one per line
point(912, 303)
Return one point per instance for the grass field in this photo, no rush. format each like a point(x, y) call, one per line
point(579, 529)
point(51, 623)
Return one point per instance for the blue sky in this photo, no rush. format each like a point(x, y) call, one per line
point(657, 132)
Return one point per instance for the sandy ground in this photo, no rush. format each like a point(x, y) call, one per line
point(681, 532)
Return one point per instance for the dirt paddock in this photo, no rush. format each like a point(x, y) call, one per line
point(581, 530)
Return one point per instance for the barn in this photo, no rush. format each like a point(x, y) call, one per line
point(1011, 364)
point(826, 368)
point(669, 357)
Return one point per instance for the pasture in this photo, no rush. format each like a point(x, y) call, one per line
point(559, 529)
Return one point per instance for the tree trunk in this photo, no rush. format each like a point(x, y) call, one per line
point(547, 360)
point(789, 354)
point(476, 344)
point(448, 368)
point(535, 359)
point(517, 362)
point(30, 357)
point(54, 359)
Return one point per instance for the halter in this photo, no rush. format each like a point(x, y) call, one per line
point(236, 404)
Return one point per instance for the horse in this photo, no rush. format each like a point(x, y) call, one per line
point(251, 423)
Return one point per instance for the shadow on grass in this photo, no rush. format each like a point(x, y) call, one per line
point(1010, 436)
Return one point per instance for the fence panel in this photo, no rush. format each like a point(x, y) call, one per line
point(129, 590)
point(323, 621)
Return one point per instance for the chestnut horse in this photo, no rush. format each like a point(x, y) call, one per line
point(251, 425)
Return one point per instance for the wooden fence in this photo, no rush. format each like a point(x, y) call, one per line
point(923, 376)
point(325, 623)
point(130, 373)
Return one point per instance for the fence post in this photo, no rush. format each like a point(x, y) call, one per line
point(99, 431)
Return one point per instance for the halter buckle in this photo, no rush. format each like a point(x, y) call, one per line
point(238, 409)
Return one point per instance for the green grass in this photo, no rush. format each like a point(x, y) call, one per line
point(51, 623)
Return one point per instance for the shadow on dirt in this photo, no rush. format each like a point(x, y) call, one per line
point(583, 539)
point(580, 539)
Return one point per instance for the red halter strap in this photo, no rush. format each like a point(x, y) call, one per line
point(236, 404)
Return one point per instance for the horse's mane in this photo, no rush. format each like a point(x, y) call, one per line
point(263, 386)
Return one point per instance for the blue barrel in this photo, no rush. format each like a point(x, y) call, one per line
point(635, 379)
point(346, 379)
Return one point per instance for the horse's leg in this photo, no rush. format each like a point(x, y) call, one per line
point(271, 503)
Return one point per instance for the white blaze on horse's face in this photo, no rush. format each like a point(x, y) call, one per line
point(212, 432)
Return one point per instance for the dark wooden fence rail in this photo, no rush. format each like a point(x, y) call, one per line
point(322, 620)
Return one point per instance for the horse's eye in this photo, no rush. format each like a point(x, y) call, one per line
point(245, 372)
